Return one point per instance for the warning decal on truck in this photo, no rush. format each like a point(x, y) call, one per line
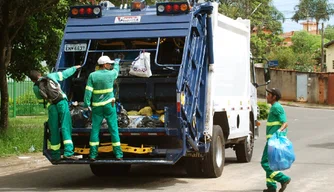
point(127, 19)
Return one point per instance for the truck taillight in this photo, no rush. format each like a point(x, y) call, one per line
point(172, 8)
point(180, 100)
point(138, 5)
point(90, 11)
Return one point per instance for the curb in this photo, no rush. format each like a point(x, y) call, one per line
point(302, 105)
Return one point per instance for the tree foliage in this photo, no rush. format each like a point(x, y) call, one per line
point(303, 55)
point(313, 9)
point(30, 32)
point(265, 22)
point(329, 32)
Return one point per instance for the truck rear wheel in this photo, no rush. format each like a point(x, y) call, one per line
point(105, 170)
point(212, 164)
point(244, 151)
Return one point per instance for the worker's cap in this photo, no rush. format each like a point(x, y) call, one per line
point(275, 91)
point(105, 59)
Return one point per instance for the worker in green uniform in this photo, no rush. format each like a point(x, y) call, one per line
point(59, 114)
point(276, 123)
point(99, 89)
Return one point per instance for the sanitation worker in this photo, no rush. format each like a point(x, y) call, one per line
point(99, 89)
point(276, 122)
point(58, 110)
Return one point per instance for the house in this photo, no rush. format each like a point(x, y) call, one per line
point(310, 27)
point(287, 38)
point(329, 56)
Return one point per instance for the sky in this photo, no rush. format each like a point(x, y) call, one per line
point(287, 8)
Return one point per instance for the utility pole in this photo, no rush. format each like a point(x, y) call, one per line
point(322, 47)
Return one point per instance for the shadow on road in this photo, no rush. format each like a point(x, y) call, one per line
point(79, 177)
point(323, 145)
point(260, 190)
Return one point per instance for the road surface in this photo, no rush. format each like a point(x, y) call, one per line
point(311, 131)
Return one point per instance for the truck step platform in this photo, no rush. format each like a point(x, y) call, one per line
point(152, 161)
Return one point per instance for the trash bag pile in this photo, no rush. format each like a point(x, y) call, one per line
point(142, 118)
point(81, 118)
point(145, 117)
point(280, 152)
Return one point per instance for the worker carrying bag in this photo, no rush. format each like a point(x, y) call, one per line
point(280, 152)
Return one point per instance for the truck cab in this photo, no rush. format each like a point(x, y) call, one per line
point(199, 100)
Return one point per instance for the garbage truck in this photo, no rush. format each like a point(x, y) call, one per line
point(199, 99)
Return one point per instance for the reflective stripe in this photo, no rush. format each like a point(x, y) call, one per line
point(96, 104)
point(274, 174)
point(268, 136)
point(60, 75)
point(55, 147)
point(89, 88)
point(68, 142)
point(116, 144)
point(273, 123)
point(94, 143)
point(102, 91)
point(270, 180)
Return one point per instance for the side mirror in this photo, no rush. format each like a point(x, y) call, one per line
point(266, 74)
point(266, 71)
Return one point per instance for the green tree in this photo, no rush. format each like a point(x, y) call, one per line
point(265, 22)
point(313, 9)
point(30, 32)
point(303, 42)
point(285, 56)
point(329, 32)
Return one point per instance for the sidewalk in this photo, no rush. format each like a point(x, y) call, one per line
point(302, 104)
point(9, 165)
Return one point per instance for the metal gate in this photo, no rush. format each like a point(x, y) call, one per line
point(302, 87)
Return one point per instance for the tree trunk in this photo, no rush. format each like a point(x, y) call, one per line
point(317, 28)
point(5, 52)
point(4, 100)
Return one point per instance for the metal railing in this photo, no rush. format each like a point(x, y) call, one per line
point(22, 100)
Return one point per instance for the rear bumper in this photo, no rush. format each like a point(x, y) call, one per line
point(156, 156)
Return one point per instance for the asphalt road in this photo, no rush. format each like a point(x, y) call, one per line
point(310, 130)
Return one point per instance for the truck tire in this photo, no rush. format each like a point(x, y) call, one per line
point(244, 151)
point(105, 170)
point(212, 165)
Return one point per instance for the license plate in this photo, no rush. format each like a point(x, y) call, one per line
point(75, 47)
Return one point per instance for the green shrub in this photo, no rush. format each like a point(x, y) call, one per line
point(27, 98)
point(264, 110)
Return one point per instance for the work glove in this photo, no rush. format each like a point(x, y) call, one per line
point(117, 60)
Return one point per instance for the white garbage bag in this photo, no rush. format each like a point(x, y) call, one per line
point(141, 66)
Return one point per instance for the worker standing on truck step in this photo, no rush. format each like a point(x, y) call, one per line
point(58, 110)
point(100, 89)
point(276, 122)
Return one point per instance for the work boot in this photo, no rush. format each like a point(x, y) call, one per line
point(284, 185)
point(269, 190)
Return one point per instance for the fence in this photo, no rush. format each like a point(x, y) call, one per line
point(22, 100)
point(300, 86)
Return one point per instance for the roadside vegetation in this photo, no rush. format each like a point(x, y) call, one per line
point(264, 110)
point(24, 135)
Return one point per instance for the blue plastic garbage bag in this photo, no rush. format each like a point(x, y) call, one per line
point(280, 152)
